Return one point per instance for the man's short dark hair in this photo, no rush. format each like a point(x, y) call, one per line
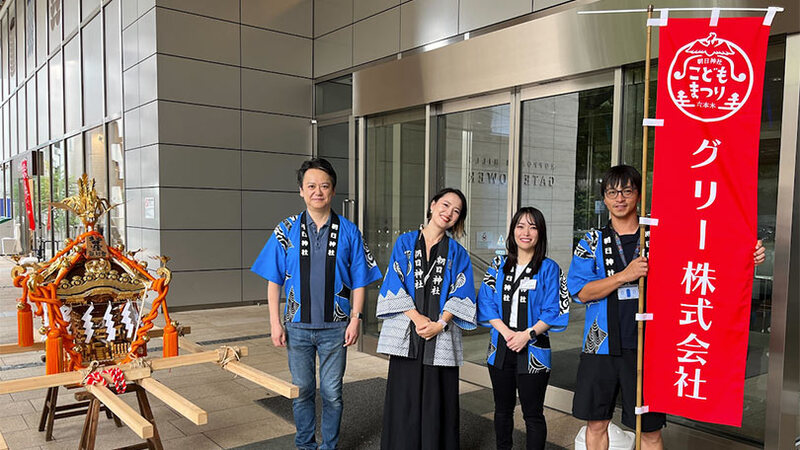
point(621, 175)
point(316, 163)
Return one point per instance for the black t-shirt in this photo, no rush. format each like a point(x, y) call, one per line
point(628, 308)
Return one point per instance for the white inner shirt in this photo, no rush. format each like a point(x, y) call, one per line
point(512, 319)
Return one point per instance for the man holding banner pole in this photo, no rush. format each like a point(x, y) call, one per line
point(604, 272)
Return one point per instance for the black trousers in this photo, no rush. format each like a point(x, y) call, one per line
point(506, 382)
point(421, 408)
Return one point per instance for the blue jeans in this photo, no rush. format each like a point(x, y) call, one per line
point(303, 345)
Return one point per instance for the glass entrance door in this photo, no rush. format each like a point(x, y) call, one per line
point(472, 149)
point(566, 146)
point(394, 190)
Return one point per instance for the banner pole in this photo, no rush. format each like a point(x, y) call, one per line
point(640, 324)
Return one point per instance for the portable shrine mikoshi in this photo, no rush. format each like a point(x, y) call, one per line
point(91, 300)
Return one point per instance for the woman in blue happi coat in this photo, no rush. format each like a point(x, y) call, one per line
point(426, 299)
point(522, 297)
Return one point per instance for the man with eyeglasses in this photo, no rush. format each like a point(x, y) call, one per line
point(604, 275)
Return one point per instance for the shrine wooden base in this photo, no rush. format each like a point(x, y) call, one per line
point(52, 411)
point(89, 433)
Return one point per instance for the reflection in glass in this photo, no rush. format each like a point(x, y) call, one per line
point(75, 169)
point(71, 11)
point(472, 149)
point(32, 135)
point(30, 35)
point(72, 84)
point(56, 95)
point(116, 183)
point(395, 174)
point(22, 120)
point(88, 7)
point(41, 31)
point(58, 217)
point(113, 61)
point(54, 23)
point(12, 126)
point(45, 224)
point(92, 72)
point(755, 397)
point(42, 92)
point(566, 148)
point(95, 148)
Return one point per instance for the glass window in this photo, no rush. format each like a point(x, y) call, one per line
point(56, 95)
point(333, 145)
point(116, 183)
point(92, 72)
point(472, 153)
point(72, 16)
point(5, 195)
point(6, 134)
point(58, 217)
point(12, 126)
point(20, 41)
point(12, 48)
point(334, 95)
point(72, 84)
point(395, 204)
point(30, 35)
point(565, 149)
point(32, 135)
point(22, 117)
point(94, 146)
point(4, 46)
point(88, 7)
point(45, 225)
point(75, 169)
point(42, 97)
point(113, 59)
point(41, 31)
point(54, 23)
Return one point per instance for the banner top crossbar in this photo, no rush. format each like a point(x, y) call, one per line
point(623, 11)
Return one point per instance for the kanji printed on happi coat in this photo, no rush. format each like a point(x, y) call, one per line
point(705, 185)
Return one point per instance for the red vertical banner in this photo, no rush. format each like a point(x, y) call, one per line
point(28, 199)
point(705, 184)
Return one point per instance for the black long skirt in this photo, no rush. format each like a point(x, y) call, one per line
point(421, 409)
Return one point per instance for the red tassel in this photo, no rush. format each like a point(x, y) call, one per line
point(170, 341)
point(54, 353)
point(25, 326)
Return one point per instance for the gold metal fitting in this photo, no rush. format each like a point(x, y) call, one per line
point(43, 330)
point(146, 338)
point(76, 348)
point(20, 306)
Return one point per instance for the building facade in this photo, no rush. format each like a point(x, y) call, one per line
point(194, 114)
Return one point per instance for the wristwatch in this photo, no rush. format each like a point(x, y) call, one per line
point(359, 316)
point(532, 334)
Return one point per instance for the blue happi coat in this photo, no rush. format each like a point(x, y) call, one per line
point(548, 301)
point(398, 294)
point(595, 258)
point(279, 262)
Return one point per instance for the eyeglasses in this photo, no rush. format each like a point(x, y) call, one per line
point(626, 192)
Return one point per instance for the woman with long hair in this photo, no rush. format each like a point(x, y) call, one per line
point(426, 299)
point(522, 297)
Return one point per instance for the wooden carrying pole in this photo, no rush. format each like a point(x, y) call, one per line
point(643, 210)
point(175, 401)
point(258, 377)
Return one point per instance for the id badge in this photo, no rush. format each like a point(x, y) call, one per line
point(528, 285)
point(628, 292)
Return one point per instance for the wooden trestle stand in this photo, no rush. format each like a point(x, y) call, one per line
point(90, 297)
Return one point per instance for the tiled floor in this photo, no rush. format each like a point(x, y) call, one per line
point(234, 418)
